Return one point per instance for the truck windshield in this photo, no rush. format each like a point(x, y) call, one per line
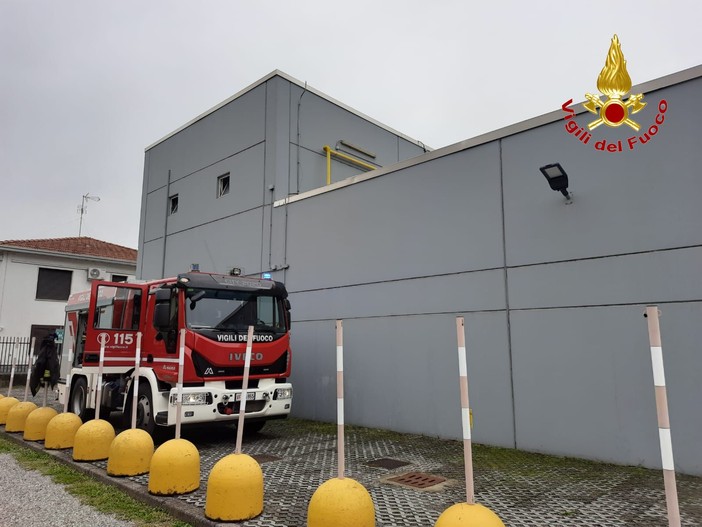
point(233, 311)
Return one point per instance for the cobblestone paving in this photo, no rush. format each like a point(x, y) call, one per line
point(523, 489)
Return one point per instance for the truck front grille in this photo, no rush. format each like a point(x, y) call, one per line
point(204, 369)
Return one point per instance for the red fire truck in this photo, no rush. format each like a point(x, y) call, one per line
point(215, 311)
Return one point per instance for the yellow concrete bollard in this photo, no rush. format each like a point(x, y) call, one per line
point(36, 423)
point(61, 431)
point(175, 468)
point(130, 453)
point(92, 441)
point(5, 404)
point(468, 515)
point(341, 503)
point(17, 416)
point(234, 489)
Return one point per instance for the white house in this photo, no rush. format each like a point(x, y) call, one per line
point(37, 276)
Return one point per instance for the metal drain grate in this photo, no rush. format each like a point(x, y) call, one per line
point(417, 480)
point(388, 463)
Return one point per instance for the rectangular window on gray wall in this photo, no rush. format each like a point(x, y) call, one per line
point(53, 284)
point(119, 278)
point(222, 185)
point(173, 204)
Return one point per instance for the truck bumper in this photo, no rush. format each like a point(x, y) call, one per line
point(214, 403)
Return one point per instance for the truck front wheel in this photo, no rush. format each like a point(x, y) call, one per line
point(79, 398)
point(145, 409)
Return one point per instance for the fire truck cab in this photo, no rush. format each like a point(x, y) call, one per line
point(215, 311)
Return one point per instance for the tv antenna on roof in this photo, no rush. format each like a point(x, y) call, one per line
point(83, 209)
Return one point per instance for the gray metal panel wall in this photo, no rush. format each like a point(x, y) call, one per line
point(219, 135)
point(254, 139)
point(452, 293)
point(580, 274)
point(154, 206)
point(198, 201)
point(639, 200)
point(410, 223)
point(151, 260)
point(397, 258)
point(399, 378)
point(583, 383)
point(234, 241)
point(196, 157)
point(142, 214)
point(578, 278)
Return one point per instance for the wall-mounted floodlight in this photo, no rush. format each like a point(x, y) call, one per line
point(557, 178)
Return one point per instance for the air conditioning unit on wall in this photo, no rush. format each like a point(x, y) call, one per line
point(95, 273)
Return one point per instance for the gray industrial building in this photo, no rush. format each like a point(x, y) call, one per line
point(552, 290)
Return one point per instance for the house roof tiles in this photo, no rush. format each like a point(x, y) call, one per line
point(83, 246)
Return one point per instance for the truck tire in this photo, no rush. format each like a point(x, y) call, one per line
point(145, 408)
point(79, 398)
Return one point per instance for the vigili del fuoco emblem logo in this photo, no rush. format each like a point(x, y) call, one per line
point(614, 111)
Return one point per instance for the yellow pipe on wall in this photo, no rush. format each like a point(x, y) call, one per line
point(330, 152)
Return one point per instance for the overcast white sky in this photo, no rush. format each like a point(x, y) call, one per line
point(87, 85)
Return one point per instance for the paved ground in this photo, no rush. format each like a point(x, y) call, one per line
point(523, 489)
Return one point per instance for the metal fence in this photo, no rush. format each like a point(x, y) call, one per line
point(17, 348)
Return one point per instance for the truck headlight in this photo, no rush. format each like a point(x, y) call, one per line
point(283, 393)
point(191, 399)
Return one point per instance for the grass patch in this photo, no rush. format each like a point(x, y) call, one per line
point(103, 498)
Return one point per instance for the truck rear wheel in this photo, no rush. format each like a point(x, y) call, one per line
point(145, 409)
point(79, 398)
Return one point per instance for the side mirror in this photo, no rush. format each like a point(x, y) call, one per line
point(287, 304)
point(162, 316)
point(163, 295)
point(162, 310)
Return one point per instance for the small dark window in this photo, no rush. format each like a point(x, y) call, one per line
point(222, 185)
point(53, 284)
point(173, 204)
point(119, 278)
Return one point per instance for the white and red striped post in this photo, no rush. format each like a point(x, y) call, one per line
point(101, 365)
point(465, 410)
point(671, 492)
point(70, 366)
point(14, 361)
point(179, 384)
point(29, 368)
point(340, 396)
point(68, 375)
point(135, 395)
point(244, 391)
